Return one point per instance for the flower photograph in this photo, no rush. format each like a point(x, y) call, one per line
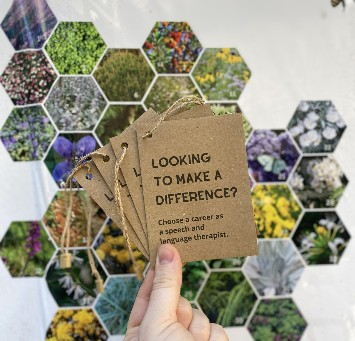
point(75, 325)
point(65, 152)
point(111, 249)
point(318, 181)
point(115, 304)
point(316, 126)
point(276, 269)
point(75, 103)
point(75, 286)
point(271, 155)
point(227, 298)
point(227, 108)
point(221, 74)
point(168, 89)
point(27, 133)
point(124, 74)
point(75, 48)
point(54, 218)
point(277, 320)
point(275, 209)
point(321, 238)
point(172, 47)
point(26, 249)
point(193, 275)
point(28, 23)
point(28, 77)
point(116, 119)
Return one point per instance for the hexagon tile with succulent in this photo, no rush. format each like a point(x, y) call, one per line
point(100, 92)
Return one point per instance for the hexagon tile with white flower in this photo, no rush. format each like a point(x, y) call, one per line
point(316, 126)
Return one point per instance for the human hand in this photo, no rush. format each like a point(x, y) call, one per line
point(161, 314)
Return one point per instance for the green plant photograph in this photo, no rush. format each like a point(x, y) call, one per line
point(227, 298)
point(193, 275)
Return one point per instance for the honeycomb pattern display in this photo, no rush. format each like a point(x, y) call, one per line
point(233, 292)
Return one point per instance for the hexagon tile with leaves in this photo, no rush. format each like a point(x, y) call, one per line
point(275, 209)
point(75, 103)
point(75, 324)
point(277, 320)
point(54, 218)
point(221, 74)
point(26, 249)
point(276, 269)
point(193, 276)
point(317, 126)
point(75, 47)
point(319, 181)
point(28, 23)
point(172, 47)
point(27, 133)
point(227, 298)
point(75, 286)
point(65, 151)
point(28, 77)
point(167, 89)
point(115, 304)
point(124, 74)
point(271, 154)
point(321, 237)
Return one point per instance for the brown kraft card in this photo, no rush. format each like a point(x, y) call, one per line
point(196, 188)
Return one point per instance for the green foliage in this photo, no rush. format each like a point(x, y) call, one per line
point(75, 47)
point(193, 275)
point(227, 298)
point(277, 320)
point(226, 263)
point(17, 256)
point(124, 75)
point(115, 304)
point(116, 119)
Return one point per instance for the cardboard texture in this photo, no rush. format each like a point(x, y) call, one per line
point(196, 188)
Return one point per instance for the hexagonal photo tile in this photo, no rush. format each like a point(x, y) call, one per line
point(27, 133)
point(75, 47)
point(271, 155)
point(124, 74)
point(26, 249)
point(115, 304)
point(221, 74)
point(318, 181)
point(226, 263)
point(277, 320)
point(28, 23)
point(111, 248)
point(75, 324)
point(75, 286)
point(230, 108)
point(168, 89)
point(172, 47)
point(321, 237)
point(116, 119)
point(66, 150)
point(275, 210)
point(316, 126)
point(193, 275)
point(54, 218)
point(28, 77)
point(227, 298)
point(75, 103)
point(276, 269)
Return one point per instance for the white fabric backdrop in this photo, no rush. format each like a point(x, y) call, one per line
point(297, 50)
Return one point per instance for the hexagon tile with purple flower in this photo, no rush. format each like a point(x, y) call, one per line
point(66, 150)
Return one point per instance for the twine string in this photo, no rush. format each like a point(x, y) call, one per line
point(177, 105)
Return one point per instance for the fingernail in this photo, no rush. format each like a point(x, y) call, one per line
point(165, 254)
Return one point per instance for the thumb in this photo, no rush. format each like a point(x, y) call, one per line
point(165, 293)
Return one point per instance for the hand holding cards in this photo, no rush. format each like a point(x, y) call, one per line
point(178, 178)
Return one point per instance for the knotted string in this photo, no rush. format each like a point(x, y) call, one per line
point(184, 102)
